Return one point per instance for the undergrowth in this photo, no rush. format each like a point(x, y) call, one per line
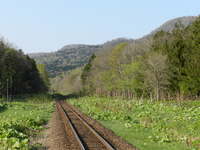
point(22, 119)
point(170, 125)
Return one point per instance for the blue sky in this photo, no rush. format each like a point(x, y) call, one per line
point(47, 25)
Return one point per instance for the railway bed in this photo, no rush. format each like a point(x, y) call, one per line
point(82, 134)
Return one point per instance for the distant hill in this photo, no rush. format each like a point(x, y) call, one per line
point(73, 56)
point(70, 56)
point(67, 58)
point(170, 25)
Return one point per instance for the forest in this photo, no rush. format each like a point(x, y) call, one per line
point(163, 66)
point(19, 73)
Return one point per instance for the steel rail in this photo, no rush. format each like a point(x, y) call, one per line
point(66, 117)
point(101, 139)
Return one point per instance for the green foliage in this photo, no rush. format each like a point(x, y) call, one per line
point(87, 69)
point(181, 47)
point(169, 124)
point(113, 75)
point(2, 107)
point(162, 66)
point(68, 82)
point(18, 73)
point(133, 77)
point(108, 78)
point(44, 74)
point(21, 120)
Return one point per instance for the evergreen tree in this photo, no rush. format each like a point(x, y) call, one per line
point(18, 72)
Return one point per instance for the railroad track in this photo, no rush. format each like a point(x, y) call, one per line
point(82, 135)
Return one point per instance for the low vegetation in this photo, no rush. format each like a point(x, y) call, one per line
point(23, 119)
point(2, 107)
point(168, 125)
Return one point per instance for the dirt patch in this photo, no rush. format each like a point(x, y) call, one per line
point(53, 137)
point(56, 136)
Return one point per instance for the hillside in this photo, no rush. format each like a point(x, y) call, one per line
point(72, 56)
point(171, 24)
point(67, 58)
point(135, 48)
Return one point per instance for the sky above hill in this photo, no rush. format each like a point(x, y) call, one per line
point(47, 25)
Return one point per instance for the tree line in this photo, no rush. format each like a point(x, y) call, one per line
point(164, 66)
point(18, 73)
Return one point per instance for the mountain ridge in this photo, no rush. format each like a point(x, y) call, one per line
point(76, 55)
point(70, 56)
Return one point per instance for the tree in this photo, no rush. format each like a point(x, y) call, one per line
point(133, 79)
point(18, 73)
point(156, 72)
point(181, 47)
point(44, 74)
point(87, 86)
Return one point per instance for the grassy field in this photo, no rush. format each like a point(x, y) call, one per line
point(22, 119)
point(148, 125)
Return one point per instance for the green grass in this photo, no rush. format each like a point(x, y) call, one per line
point(147, 125)
point(22, 119)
